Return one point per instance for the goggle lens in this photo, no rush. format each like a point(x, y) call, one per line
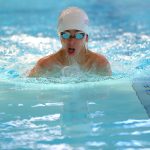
point(79, 35)
point(67, 35)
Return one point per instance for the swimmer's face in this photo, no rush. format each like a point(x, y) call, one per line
point(73, 41)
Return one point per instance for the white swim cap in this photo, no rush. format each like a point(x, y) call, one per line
point(73, 18)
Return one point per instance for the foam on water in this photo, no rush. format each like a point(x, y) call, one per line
point(20, 52)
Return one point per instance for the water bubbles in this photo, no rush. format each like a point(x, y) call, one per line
point(72, 70)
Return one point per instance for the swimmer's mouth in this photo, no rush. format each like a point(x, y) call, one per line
point(71, 50)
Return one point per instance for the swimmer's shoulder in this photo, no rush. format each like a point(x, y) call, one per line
point(43, 65)
point(39, 67)
point(98, 58)
point(48, 61)
point(101, 62)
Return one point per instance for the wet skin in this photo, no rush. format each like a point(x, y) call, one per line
point(73, 51)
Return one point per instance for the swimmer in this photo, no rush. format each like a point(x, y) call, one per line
point(73, 33)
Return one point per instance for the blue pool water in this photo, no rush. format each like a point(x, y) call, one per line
point(73, 110)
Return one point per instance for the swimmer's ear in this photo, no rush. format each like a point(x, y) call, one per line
point(87, 38)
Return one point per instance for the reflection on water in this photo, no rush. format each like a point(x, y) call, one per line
point(74, 117)
point(75, 114)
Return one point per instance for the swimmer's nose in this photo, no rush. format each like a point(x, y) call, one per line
point(72, 41)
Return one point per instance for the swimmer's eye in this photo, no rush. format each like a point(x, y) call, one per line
point(79, 35)
point(67, 35)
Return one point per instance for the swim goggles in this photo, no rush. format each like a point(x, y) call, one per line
point(67, 35)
